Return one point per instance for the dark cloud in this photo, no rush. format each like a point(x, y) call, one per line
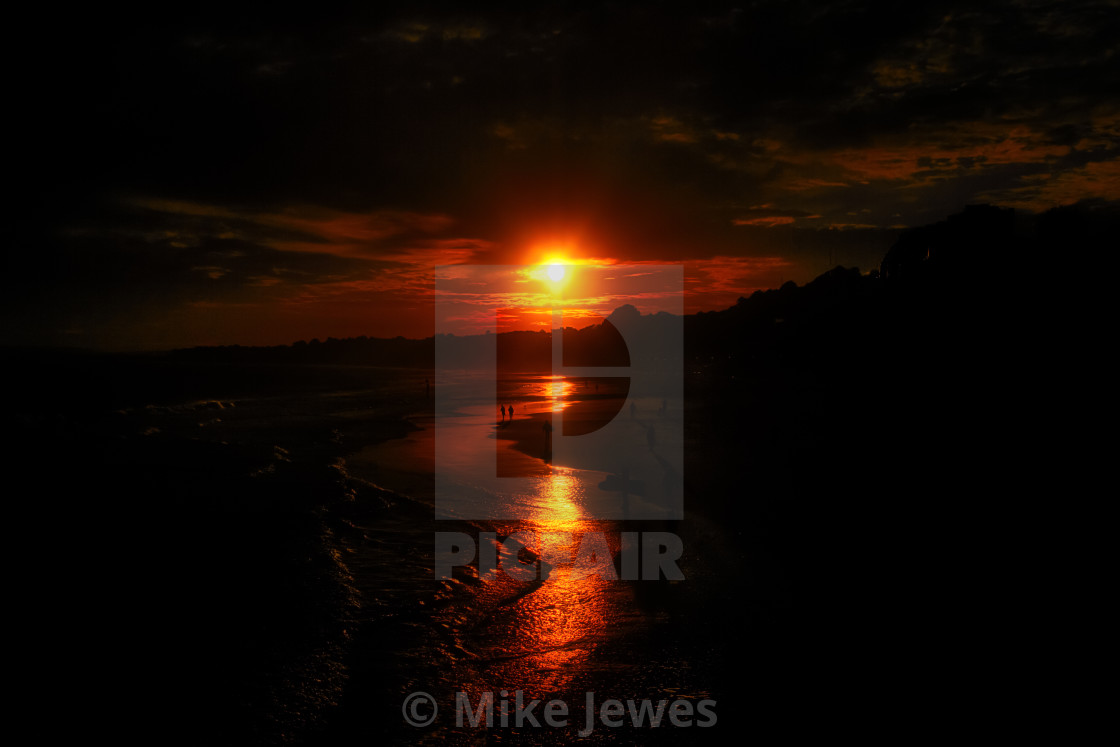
point(642, 130)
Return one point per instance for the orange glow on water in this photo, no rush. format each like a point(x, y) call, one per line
point(558, 390)
point(561, 623)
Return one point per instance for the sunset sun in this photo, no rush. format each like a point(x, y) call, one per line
point(556, 273)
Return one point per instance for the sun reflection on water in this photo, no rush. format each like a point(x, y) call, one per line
point(559, 624)
point(559, 388)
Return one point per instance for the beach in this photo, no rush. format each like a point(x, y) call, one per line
point(573, 633)
point(265, 563)
point(265, 566)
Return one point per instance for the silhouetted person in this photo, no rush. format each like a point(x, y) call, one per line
point(626, 492)
point(503, 413)
point(511, 413)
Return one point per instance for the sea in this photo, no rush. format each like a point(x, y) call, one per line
point(257, 553)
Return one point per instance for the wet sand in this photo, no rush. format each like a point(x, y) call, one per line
point(561, 638)
point(582, 415)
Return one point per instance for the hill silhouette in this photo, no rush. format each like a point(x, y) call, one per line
point(951, 280)
point(951, 303)
point(892, 443)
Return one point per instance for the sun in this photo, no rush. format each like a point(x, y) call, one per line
point(556, 273)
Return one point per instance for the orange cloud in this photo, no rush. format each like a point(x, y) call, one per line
point(976, 144)
point(307, 228)
point(1100, 179)
point(718, 282)
point(768, 221)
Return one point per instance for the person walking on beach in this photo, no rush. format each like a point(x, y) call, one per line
point(503, 413)
point(511, 413)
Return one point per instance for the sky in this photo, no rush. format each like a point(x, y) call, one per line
point(202, 176)
point(481, 299)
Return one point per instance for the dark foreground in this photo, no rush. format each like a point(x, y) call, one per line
point(246, 584)
point(201, 564)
